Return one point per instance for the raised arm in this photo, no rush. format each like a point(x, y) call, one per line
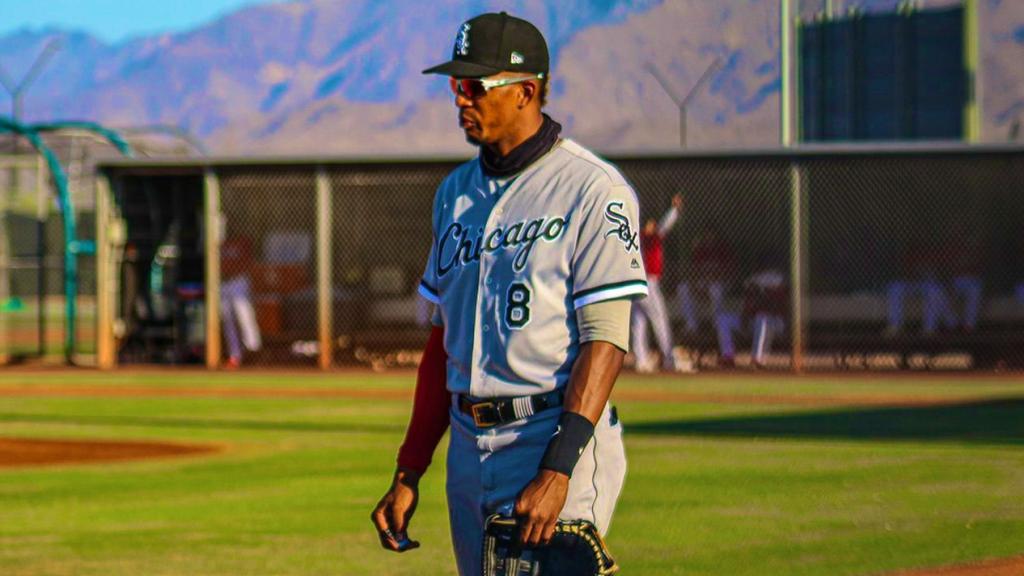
point(668, 221)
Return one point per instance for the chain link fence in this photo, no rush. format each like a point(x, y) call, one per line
point(381, 236)
point(268, 262)
point(916, 260)
point(909, 258)
point(31, 264)
point(735, 219)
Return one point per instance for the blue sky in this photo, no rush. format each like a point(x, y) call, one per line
point(114, 20)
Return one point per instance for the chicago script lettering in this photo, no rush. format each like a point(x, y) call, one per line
point(459, 245)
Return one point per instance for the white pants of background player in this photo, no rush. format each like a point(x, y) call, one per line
point(688, 307)
point(424, 310)
point(651, 308)
point(765, 328)
point(488, 467)
point(937, 306)
point(237, 314)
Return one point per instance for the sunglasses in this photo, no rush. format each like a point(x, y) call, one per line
point(474, 88)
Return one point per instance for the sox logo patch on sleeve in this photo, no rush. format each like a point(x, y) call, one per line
point(622, 227)
point(512, 258)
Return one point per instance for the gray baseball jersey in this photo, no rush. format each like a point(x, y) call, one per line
point(513, 258)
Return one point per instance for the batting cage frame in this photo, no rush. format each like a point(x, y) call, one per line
point(73, 247)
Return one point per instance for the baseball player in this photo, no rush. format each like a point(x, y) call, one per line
point(941, 275)
point(714, 264)
point(237, 314)
point(653, 307)
point(765, 303)
point(534, 262)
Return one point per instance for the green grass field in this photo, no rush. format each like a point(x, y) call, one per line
point(19, 328)
point(750, 476)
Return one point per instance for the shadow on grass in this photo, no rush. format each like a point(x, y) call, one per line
point(201, 424)
point(998, 421)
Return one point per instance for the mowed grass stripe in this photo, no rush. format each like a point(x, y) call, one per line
point(776, 389)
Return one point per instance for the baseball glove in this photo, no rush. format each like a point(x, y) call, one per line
point(576, 549)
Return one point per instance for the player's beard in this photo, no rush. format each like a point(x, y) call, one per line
point(469, 126)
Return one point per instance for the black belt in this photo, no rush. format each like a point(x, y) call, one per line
point(495, 411)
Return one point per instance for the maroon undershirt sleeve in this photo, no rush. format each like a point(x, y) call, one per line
point(430, 406)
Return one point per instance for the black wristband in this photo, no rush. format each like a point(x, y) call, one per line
point(566, 446)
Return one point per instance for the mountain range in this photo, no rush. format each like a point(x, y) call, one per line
point(343, 76)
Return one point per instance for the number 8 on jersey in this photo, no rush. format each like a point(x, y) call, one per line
point(517, 306)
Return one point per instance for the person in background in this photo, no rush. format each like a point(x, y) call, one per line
point(714, 264)
point(956, 302)
point(944, 276)
point(652, 308)
point(765, 299)
point(238, 319)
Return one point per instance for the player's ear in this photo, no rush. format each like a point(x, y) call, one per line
point(527, 93)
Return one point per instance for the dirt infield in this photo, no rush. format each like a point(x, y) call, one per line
point(1003, 567)
point(22, 452)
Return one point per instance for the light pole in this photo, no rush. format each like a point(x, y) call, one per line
point(683, 102)
point(17, 90)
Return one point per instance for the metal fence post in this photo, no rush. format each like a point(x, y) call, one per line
point(323, 266)
point(5, 271)
point(789, 101)
point(972, 61)
point(42, 214)
point(105, 276)
point(212, 220)
point(798, 263)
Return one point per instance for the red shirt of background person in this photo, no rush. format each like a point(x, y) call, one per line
point(236, 256)
point(652, 238)
point(713, 258)
point(960, 254)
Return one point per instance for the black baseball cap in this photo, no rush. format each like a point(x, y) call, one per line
point(493, 43)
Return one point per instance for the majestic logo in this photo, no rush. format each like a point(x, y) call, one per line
point(621, 227)
point(460, 245)
point(517, 58)
point(462, 41)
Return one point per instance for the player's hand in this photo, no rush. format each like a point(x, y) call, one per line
point(677, 202)
point(394, 511)
point(538, 507)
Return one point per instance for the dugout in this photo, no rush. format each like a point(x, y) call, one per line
point(158, 252)
point(337, 246)
point(331, 251)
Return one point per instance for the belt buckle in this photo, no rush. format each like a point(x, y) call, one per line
point(480, 419)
